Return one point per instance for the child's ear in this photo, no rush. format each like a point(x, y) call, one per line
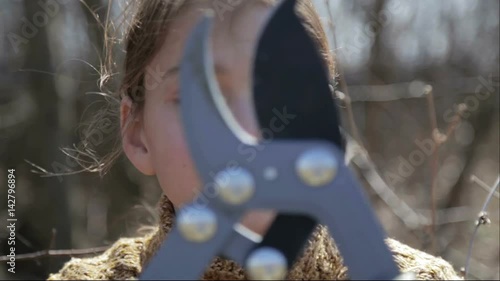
point(133, 138)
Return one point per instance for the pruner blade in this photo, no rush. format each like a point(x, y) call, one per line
point(290, 73)
point(291, 78)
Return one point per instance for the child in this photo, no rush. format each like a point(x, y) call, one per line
point(153, 140)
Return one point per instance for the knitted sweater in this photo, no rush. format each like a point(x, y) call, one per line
point(321, 259)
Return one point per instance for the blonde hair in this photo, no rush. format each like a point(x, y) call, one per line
point(143, 38)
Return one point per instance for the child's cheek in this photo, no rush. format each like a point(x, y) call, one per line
point(176, 171)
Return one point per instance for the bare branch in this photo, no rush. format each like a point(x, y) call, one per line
point(403, 211)
point(343, 95)
point(57, 253)
point(481, 219)
point(436, 136)
point(482, 184)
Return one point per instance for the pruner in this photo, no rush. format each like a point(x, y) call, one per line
point(298, 170)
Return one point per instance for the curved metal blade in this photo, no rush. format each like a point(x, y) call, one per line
point(290, 80)
point(205, 113)
point(290, 75)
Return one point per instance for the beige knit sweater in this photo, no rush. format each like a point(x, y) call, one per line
point(321, 260)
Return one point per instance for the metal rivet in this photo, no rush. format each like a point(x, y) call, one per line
point(197, 224)
point(235, 186)
point(270, 173)
point(317, 167)
point(266, 263)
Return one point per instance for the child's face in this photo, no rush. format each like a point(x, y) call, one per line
point(156, 144)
